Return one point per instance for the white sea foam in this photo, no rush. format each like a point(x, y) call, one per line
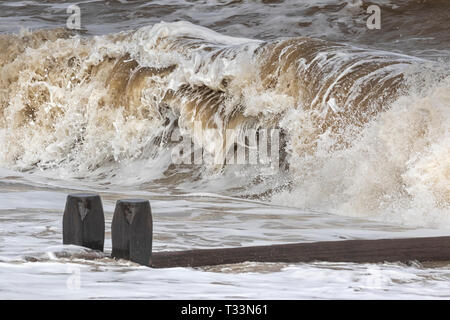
point(317, 280)
point(95, 113)
point(360, 139)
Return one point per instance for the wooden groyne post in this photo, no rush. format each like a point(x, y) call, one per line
point(84, 221)
point(132, 229)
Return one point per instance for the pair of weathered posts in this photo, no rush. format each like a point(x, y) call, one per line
point(131, 229)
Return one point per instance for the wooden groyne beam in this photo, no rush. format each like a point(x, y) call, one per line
point(132, 232)
point(362, 251)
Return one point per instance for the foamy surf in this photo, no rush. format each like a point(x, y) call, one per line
point(358, 118)
point(361, 134)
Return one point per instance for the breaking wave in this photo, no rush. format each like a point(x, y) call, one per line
point(363, 132)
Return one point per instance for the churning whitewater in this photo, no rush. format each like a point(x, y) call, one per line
point(364, 132)
point(344, 132)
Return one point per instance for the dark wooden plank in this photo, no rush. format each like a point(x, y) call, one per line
point(362, 251)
